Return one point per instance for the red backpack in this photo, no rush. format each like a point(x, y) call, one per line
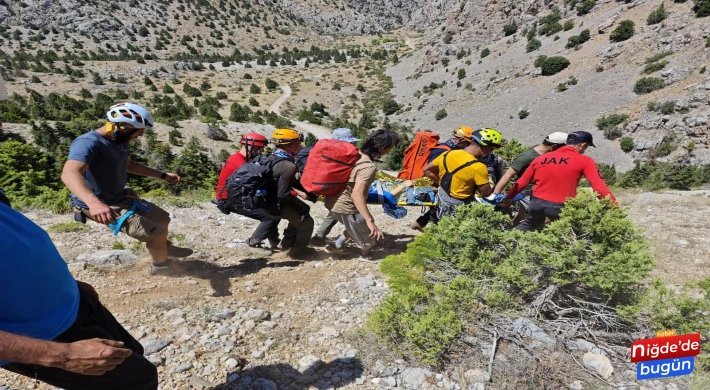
point(329, 166)
point(417, 154)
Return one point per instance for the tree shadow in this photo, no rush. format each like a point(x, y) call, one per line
point(220, 276)
point(320, 375)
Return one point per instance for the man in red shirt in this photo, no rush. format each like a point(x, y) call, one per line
point(253, 144)
point(556, 176)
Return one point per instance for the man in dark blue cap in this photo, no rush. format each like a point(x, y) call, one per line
point(556, 176)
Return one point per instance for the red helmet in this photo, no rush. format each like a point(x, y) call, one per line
point(254, 139)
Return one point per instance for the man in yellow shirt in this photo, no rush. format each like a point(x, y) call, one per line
point(460, 175)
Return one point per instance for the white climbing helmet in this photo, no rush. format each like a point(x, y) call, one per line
point(130, 114)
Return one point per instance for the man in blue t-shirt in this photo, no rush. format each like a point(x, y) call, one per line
point(96, 173)
point(54, 328)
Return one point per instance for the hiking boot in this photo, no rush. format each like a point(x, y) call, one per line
point(416, 226)
point(274, 243)
point(176, 251)
point(318, 241)
point(171, 268)
point(332, 249)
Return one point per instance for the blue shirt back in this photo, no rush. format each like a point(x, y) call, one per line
point(108, 161)
point(40, 298)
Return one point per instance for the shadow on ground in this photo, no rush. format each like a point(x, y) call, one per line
point(316, 374)
point(220, 276)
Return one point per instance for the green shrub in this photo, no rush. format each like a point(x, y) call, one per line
point(390, 106)
point(510, 29)
point(310, 140)
point(576, 40)
point(461, 74)
point(253, 102)
point(608, 173)
point(701, 8)
point(68, 227)
point(533, 45)
point(667, 108)
point(437, 286)
point(485, 52)
point(441, 114)
point(522, 114)
point(623, 31)
point(511, 150)
point(254, 89)
point(270, 84)
point(707, 42)
point(561, 87)
point(658, 56)
point(553, 65)
point(626, 144)
point(654, 66)
point(657, 15)
point(609, 125)
point(584, 6)
point(648, 84)
point(568, 25)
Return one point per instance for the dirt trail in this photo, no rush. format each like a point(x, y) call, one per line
point(319, 131)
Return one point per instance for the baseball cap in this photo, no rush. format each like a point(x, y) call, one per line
point(344, 134)
point(557, 137)
point(581, 136)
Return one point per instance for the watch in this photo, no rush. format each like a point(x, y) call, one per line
point(163, 175)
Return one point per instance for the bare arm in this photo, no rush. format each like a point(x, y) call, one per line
point(432, 172)
point(139, 169)
point(88, 357)
point(359, 196)
point(485, 190)
point(75, 182)
point(505, 180)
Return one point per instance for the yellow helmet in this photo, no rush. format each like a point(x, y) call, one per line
point(488, 137)
point(464, 132)
point(285, 136)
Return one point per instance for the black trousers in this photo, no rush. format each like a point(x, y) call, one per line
point(95, 321)
point(268, 227)
point(429, 216)
point(537, 212)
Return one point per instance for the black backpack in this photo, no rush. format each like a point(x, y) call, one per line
point(302, 157)
point(248, 187)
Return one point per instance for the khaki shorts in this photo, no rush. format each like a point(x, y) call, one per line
point(141, 225)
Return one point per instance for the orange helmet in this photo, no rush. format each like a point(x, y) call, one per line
point(464, 132)
point(285, 136)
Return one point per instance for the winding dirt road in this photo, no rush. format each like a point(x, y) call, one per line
point(319, 131)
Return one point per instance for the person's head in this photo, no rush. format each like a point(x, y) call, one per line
point(485, 141)
point(287, 140)
point(344, 134)
point(580, 140)
point(462, 137)
point(379, 143)
point(126, 121)
point(253, 144)
point(554, 141)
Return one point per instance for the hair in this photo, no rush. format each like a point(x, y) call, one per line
point(379, 139)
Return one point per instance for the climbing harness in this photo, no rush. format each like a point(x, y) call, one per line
point(140, 205)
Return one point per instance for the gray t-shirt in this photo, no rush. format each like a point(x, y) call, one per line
point(523, 161)
point(107, 173)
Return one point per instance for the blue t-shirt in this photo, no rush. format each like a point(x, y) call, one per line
point(40, 298)
point(108, 161)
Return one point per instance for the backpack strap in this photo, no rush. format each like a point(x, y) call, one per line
point(464, 165)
